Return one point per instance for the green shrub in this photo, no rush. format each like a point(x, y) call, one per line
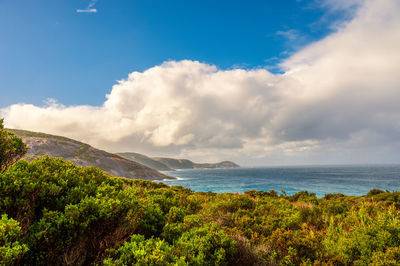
point(11, 248)
point(55, 213)
point(11, 148)
point(205, 245)
point(139, 251)
point(366, 233)
point(374, 191)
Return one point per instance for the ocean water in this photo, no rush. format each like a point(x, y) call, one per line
point(349, 180)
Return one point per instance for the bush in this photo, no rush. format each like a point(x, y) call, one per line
point(139, 251)
point(60, 206)
point(55, 213)
point(11, 148)
point(365, 234)
point(11, 248)
point(375, 191)
point(205, 245)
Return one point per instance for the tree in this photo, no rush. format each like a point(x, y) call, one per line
point(11, 148)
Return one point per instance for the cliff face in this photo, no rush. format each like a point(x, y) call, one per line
point(84, 155)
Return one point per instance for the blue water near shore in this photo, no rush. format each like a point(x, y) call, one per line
point(349, 180)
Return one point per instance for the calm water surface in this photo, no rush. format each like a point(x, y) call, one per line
point(349, 180)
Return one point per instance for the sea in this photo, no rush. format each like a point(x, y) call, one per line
point(352, 180)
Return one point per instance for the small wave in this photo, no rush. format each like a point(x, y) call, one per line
point(176, 178)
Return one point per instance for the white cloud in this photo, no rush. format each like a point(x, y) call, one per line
point(293, 39)
point(89, 9)
point(291, 34)
point(346, 5)
point(337, 102)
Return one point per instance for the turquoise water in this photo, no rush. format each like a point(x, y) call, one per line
point(349, 180)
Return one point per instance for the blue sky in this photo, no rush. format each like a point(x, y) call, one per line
point(49, 50)
point(255, 82)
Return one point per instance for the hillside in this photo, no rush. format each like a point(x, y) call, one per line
point(170, 164)
point(147, 161)
point(224, 164)
point(176, 163)
point(187, 164)
point(84, 155)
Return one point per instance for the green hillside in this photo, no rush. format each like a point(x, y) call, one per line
point(143, 159)
point(169, 164)
point(187, 164)
point(176, 163)
point(224, 164)
point(84, 155)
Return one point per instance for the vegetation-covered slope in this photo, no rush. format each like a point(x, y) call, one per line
point(176, 163)
point(168, 164)
point(56, 213)
point(187, 164)
point(53, 212)
point(224, 164)
point(143, 159)
point(84, 155)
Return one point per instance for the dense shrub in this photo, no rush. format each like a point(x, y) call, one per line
point(61, 206)
point(11, 250)
point(141, 251)
point(11, 148)
point(56, 213)
point(205, 245)
point(375, 191)
point(365, 235)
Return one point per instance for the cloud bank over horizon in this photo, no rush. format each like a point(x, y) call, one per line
point(337, 102)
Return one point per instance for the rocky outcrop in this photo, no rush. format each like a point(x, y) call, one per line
point(84, 155)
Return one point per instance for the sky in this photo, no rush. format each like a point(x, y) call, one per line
point(49, 50)
point(257, 82)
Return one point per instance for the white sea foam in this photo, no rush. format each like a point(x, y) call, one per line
point(176, 178)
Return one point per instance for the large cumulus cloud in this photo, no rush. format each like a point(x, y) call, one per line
point(337, 101)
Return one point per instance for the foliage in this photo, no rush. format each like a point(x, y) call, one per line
point(205, 245)
point(11, 250)
point(375, 233)
point(11, 148)
point(141, 251)
point(56, 213)
point(375, 191)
